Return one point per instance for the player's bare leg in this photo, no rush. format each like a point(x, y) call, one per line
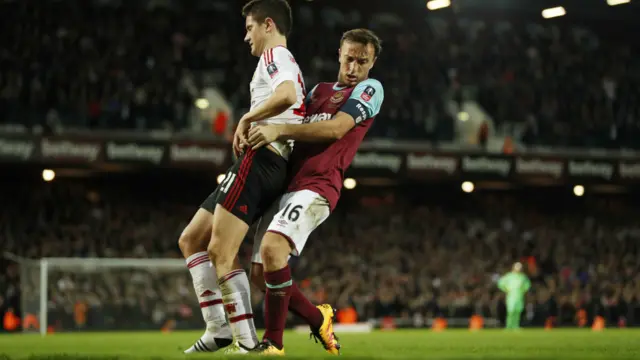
point(193, 243)
point(227, 233)
point(257, 276)
point(282, 294)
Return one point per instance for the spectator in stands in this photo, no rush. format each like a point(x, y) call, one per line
point(576, 269)
point(131, 67)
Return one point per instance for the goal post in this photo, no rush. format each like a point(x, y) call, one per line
point(61, 293)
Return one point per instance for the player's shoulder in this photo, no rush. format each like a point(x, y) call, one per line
point(371, 83)
point(370, 91)
point(281, 53)
point(278, 54)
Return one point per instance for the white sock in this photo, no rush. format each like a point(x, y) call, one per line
point(237, 303)
point(206, 285)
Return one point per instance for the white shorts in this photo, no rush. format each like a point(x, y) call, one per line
point(295, 215)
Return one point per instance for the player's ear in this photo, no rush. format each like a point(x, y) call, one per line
point(270, 25)
point(339, 53)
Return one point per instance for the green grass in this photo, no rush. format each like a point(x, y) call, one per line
point(414, 344)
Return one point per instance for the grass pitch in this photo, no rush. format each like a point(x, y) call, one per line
point(401, 344)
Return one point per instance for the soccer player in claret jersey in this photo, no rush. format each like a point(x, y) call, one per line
point(211, 241)
point(339, 115)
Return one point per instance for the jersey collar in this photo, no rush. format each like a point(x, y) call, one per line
point(337, 87)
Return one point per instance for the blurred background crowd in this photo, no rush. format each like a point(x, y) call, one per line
point(407, 252)
point(143, 64)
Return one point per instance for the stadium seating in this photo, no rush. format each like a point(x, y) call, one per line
point(73, 64)
point(135, 68)
point(440, 258)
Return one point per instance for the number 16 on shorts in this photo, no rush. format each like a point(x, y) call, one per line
point(300, 213)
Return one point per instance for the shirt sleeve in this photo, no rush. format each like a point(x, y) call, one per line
point(365, 100)
point(502, 283)
point(307, 99)
point(278, 66)
point(527, 284)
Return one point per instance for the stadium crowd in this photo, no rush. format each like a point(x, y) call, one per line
point(93, 65)
point(394, 254)
point(141, 65)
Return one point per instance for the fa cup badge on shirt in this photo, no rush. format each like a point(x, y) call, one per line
point(368, 93)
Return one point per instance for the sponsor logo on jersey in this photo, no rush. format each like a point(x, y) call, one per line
point(337, 97)
point(368, 93)
point(363, 113)
point(316, 117)
point(272, 69)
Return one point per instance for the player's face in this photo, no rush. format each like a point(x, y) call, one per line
point(256, 35)
point(356, 60)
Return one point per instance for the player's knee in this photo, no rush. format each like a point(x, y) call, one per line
point(220, 252)
point(195, 236)
point(257, 277)
point(190, 243)
point(274, 250)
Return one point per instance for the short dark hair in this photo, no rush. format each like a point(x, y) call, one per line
point(278, 10)
point(364, 37)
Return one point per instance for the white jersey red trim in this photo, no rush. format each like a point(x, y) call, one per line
point(276, 66)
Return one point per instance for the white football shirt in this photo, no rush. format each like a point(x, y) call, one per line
point(276, 66)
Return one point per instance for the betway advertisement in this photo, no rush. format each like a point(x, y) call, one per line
point(383, 163)
point(68, 150)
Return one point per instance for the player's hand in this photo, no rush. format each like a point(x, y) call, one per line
point(240, 137)
point(262, 135)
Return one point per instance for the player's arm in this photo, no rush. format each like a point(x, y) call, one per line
point(502, 284)
point(324, 131)
point(281, 73)
point(527, 284)
point(283, 97)
point(364, 103)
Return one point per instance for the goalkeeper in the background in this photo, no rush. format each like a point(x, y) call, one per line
point(515, 284)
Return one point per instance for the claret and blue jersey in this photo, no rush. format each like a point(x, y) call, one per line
point(369, 95)
point(320, 167)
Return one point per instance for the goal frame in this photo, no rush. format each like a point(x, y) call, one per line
point(53, 263)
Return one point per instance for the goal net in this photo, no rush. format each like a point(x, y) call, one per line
point(99, 294)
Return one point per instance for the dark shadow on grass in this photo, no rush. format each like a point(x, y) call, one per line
point(65, 356)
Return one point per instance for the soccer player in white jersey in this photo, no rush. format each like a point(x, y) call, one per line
point(210, 242)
